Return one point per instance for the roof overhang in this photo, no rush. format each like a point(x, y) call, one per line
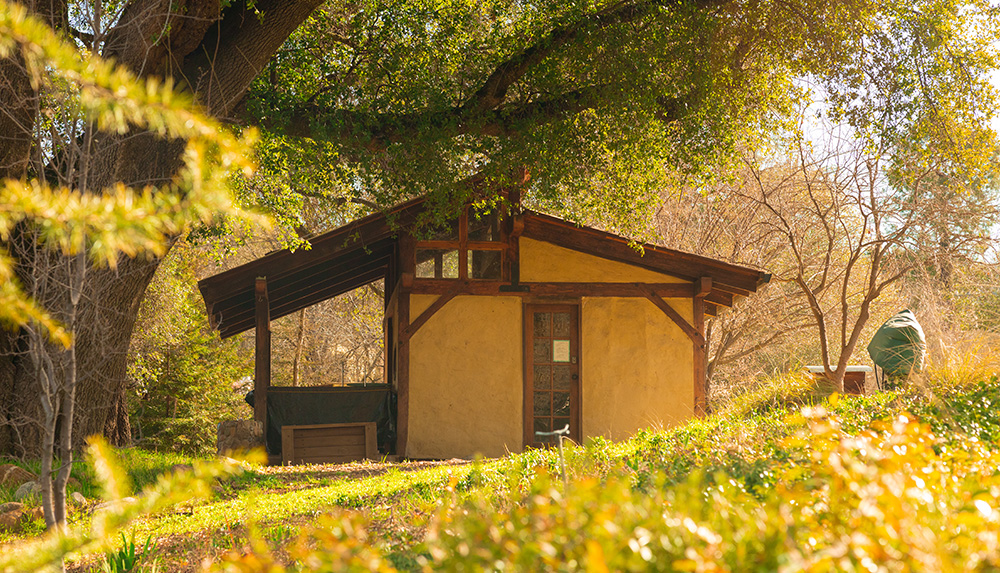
point(336, 262)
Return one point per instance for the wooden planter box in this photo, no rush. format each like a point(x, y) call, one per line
point(854, 378)
point(328, 443)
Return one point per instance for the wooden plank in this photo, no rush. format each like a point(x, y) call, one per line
point(357, 451)
point(307, 441)
point(332, 436)
point(323, 460)
point(262, 351)
point(357, 433)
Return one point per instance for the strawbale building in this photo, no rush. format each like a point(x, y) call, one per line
point(495, 328)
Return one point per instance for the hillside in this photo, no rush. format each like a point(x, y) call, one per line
point(787, 477)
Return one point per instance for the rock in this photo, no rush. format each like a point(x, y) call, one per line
point(13, 476)
point(180, 468)
point(10, 506)
point(14, 521)
point(78, 498)
point(31, 489)
point(239, 436)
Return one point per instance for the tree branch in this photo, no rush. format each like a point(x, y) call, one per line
point(485, 112)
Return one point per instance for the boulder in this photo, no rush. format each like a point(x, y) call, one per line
point(10, 506)
point(14, 521)
point(180, 468)
point(239, 436)
point(12, 476)
point(31, 489)
point(77, 498)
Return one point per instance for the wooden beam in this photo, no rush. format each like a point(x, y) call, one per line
point(262, 353)
point(429, 312)
point(668, 310)
point(402, 373)
point(701, 388)
point(564, 289)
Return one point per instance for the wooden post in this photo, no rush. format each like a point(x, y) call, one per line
point(262, 352)
point(407, 248)
point(702, 287)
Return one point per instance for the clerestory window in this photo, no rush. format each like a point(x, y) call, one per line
point(470, 247)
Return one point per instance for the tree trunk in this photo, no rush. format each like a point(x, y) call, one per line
point(217, 55)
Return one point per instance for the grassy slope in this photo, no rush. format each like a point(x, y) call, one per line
point(748, 446)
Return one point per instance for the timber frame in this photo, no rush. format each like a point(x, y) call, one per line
point(381, 247)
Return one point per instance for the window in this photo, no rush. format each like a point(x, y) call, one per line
point(470, 247)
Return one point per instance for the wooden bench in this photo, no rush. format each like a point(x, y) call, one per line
point(328, 443)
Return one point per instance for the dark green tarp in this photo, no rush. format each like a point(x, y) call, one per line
point(304, 405)
point(898, 346)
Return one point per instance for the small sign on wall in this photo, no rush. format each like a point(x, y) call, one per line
point(560, 351)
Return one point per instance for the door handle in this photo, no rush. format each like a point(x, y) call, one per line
point(575, 377)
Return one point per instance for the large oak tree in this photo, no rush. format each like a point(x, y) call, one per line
point(604, 103)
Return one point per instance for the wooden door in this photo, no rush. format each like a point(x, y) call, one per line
point(552, 371)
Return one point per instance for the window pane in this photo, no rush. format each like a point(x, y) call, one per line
point(543, 324)
point(543, 425)
point(446, 232)
point(484, 228)
point(543, 403)
point(543, 351)
point(437, 264)
point(560, 403)
point(560, 324)
point(485, 264)
point(559, 423)
point(561, 376)
point(543, 377)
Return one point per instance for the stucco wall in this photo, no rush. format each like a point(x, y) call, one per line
point(465, 378)
point(544, 262)
point(636, 367)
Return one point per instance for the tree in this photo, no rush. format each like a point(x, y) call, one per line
point(835, 212)
point(66, 234)
point(603, 102)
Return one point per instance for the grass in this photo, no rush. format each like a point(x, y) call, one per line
point(749, 446)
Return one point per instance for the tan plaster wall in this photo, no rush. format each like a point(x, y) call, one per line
point(466, 381)
point(636, 366)
point(544, 262)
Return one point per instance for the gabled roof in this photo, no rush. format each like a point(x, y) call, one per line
point(728, 280)
point(363, 251)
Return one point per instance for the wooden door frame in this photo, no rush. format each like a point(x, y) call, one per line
point(576, 386)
